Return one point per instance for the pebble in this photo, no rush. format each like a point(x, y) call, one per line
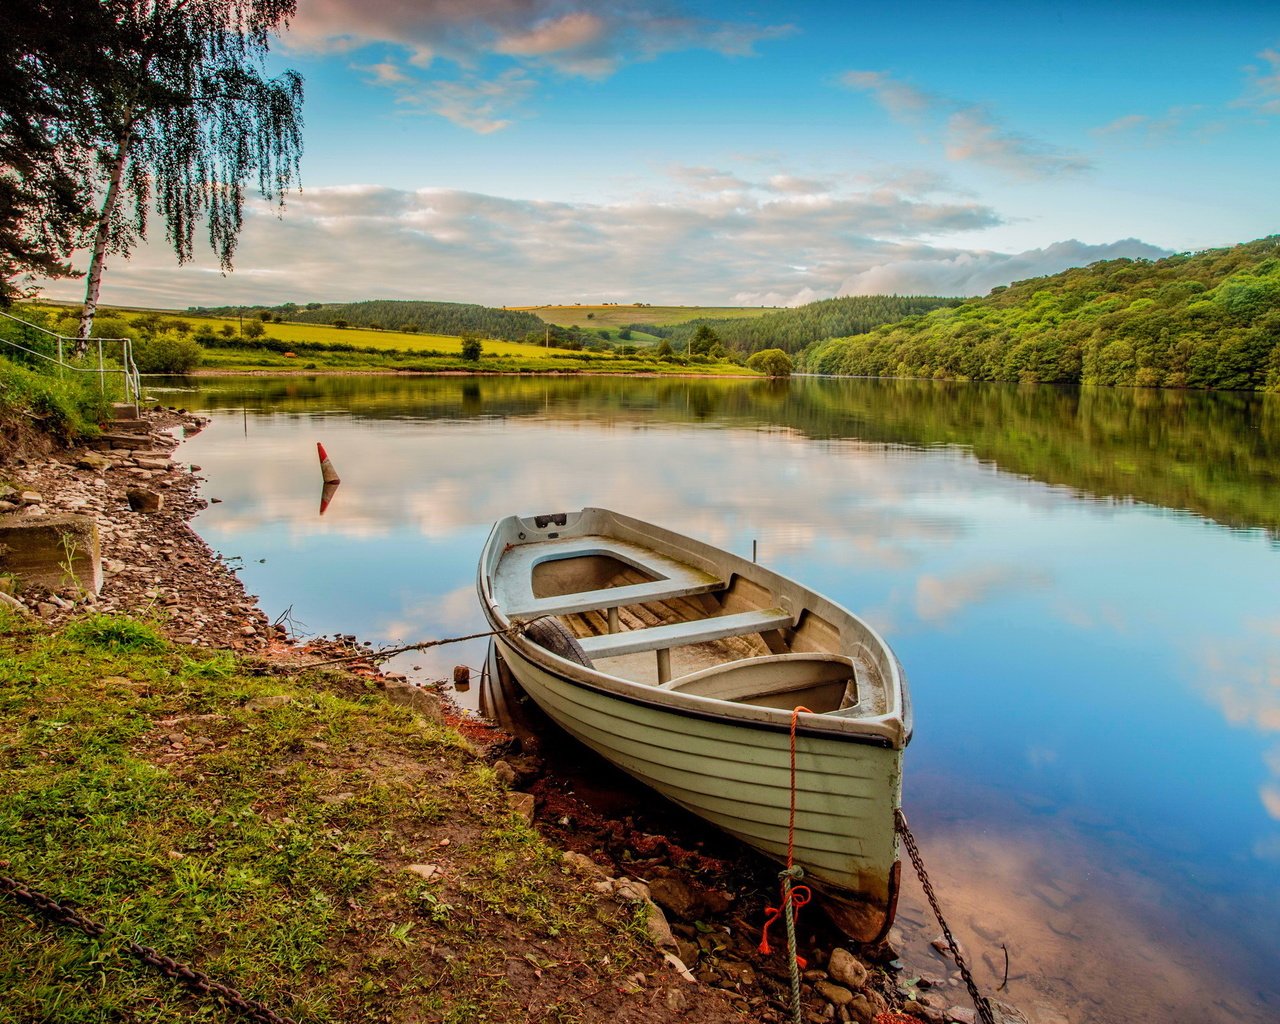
point(522, 804)
point(836, 995)
point(846, 969)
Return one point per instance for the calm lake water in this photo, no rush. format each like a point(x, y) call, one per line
point(1084, 588)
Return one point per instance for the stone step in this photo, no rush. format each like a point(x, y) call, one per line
point(114, 440)
point(130, 425)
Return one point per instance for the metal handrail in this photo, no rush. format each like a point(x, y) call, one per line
point(128, 368)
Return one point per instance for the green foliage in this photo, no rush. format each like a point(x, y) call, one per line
point(1203, 320)
point(793, 329)
point(69, 407)
point(772, 362)
point(704, 338)
point(167, 354)
point(453, 318)
point(45, 196)
point(471, 348)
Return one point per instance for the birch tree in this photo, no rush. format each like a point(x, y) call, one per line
point(186, 117)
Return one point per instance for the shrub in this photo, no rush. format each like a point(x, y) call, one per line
point(472, 349)
point(772, 362)
point(166, 354)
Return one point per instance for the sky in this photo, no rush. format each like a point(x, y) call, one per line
point(525, 152)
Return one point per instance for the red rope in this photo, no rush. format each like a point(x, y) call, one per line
point(791, 824)
point(793, 896)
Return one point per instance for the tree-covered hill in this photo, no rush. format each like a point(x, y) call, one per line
point(453, 318)
point(793, 329)
point(1195, 320)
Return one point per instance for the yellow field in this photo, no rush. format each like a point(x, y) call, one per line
point(323, 334)
point(620, 316)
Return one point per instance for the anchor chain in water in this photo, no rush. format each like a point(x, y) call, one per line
point(185, 975)
point(980, 1003)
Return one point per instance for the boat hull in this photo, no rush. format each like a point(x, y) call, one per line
point(737, 776)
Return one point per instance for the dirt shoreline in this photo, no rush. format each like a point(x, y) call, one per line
point(706, 899)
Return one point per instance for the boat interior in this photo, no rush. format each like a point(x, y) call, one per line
point(641, 615)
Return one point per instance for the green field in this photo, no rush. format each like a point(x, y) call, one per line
point(621, 315)
point(323, 334)
point(399, 351)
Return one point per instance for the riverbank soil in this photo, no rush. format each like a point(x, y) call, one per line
point(340, 845)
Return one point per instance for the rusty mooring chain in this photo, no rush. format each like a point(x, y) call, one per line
point(980, 1004)
point(183, 974)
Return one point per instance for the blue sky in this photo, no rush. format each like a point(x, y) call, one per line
point(531, 151)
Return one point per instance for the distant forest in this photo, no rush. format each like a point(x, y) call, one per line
point(792, 329)
point(1196, 320)
point(452, 318)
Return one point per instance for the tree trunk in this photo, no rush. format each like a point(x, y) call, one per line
point(101, 236)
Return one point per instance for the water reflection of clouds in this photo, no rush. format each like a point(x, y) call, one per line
point(1104, 613)
point(716, 485)
point(1070, 937)
point(1241, 675)
point(938, 599)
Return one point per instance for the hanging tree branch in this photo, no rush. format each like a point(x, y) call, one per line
point(199, 121)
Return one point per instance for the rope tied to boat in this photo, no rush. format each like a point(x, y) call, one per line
point(980, 1004)
point(793, 896)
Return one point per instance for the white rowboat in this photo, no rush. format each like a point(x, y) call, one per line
point(682, 664)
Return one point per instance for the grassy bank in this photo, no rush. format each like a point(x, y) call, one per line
point(41, 405)
point(262, 828)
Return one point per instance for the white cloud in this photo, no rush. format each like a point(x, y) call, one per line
point(1262, 84)
point(971, 132)
point(929, 271)
point(904, 102)
point(555, 35)
point(705, 245)
point(489, 40)
point(474, 102)
point(1180, 121)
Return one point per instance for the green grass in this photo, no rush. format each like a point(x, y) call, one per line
point(67, 407)
point(259, 827)
point(620, 316)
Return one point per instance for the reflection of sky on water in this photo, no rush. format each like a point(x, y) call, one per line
point(1097, 684)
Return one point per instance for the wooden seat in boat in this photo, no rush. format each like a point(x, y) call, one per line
point(820, 682)
point(669, 578)
point(678, 634)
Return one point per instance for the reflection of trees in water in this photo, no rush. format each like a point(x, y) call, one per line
point(1214, 453)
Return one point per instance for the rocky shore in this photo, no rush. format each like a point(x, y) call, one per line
point(701, 905)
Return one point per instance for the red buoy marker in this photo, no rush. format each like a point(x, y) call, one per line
point(326, 467)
